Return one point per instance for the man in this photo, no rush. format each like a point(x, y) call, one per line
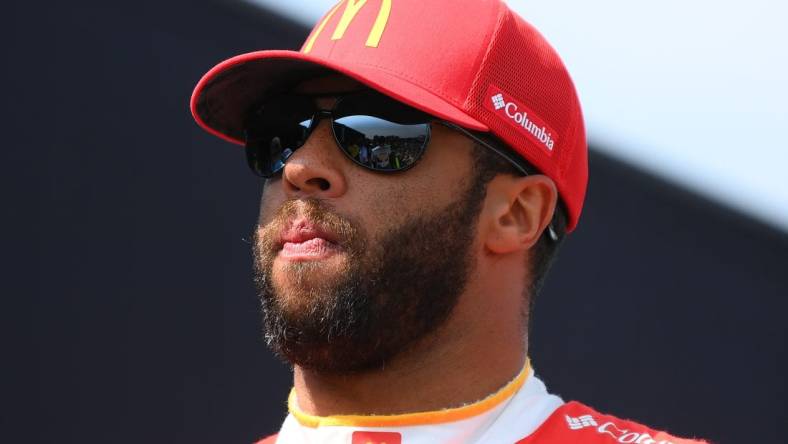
point(363, 154)
point(401, 295)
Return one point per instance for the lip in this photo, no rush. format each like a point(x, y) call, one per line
point(301, 230)
point(304, 240)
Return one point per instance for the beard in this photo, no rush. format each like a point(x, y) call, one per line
point(385, 296)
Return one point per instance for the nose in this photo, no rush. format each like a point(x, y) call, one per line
point(315, 169)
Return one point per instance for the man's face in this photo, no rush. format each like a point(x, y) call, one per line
point(354, 267)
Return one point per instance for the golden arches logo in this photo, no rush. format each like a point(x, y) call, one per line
point(352, 7)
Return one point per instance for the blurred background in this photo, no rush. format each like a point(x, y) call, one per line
point(128, 312)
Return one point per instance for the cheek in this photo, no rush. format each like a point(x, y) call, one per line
point(271, 200)
point(385, 201)
point(389, 205)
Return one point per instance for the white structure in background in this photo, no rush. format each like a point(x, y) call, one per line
point(695, 92)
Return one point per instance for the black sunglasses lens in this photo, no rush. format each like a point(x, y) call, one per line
point(267, 150)
point(381, 144)
point(275, 131)
point(379, 132)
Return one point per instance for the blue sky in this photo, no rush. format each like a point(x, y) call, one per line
point(693, 91)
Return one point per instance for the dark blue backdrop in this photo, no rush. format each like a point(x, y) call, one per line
point(128, 313)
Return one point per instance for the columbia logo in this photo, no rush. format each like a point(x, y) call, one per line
point(498, 101)
point(580, 422)
point(518, 115)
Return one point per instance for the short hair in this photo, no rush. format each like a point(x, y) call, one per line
point(488, 165)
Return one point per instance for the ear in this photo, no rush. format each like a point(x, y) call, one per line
point(516, 211)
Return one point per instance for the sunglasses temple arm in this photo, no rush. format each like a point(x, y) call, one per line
point(487, 145)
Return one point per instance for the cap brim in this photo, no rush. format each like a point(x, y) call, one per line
point(225, 94)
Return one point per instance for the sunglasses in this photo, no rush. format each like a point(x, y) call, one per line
point(372, 130)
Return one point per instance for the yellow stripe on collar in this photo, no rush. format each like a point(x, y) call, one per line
point(411, 419)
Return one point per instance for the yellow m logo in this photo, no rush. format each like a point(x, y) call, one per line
point(352, 7)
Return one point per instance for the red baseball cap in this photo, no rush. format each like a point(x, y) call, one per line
point(474, 63)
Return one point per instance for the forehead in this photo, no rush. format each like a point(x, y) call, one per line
point(334, 84)
point(327, 88)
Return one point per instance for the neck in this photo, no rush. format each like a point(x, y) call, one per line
point(470, 357)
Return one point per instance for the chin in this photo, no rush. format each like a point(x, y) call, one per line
point(296, 283)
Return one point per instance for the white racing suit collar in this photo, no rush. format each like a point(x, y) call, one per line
point(509, 414)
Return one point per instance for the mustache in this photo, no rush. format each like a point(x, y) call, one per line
point(317, 212)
